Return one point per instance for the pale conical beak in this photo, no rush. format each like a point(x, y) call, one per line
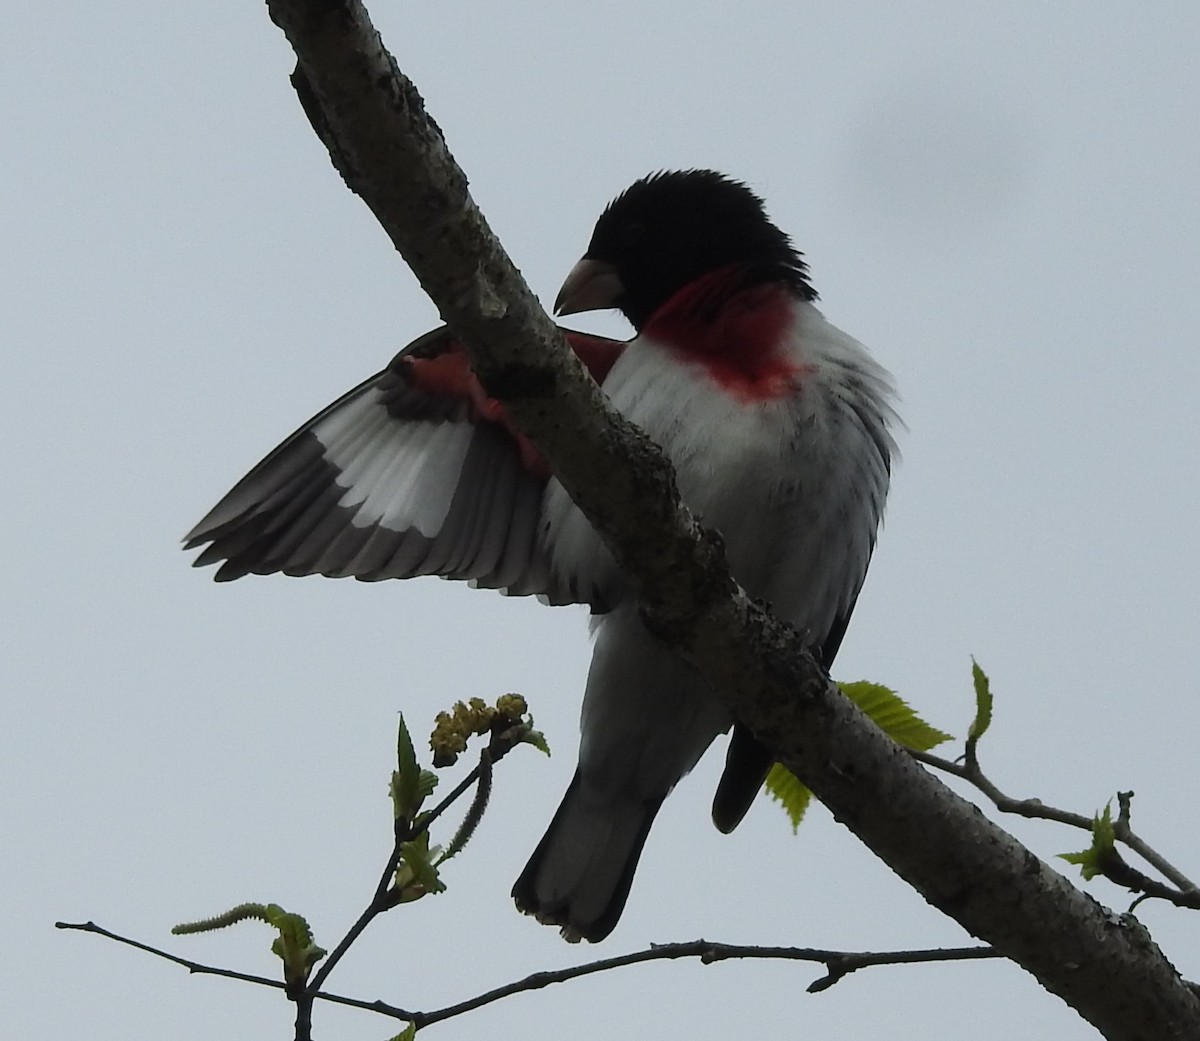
point(591, 285)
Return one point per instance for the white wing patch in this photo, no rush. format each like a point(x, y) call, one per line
point(382, 463)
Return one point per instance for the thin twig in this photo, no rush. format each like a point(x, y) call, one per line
point(1117, 869)
point(1125, 834)
point(187, 963)
point(378, 904)
point(1188, 893)
point(1033, 808)
point(380, 900)
point(425, 819)
point(304, 1004)
point(201, 969)
point(848, 963)
point(838, 964)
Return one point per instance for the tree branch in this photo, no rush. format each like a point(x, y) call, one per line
point(1148, 853)
point(201, 969)
point(1185, 895)
point(838, 965)
point(187, 963)
point(393, 156)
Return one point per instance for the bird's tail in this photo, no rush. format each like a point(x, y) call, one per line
point(579, 876)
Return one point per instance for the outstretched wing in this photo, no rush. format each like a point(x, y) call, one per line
point(413, 472)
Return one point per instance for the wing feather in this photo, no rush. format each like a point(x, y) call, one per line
point(404, 475)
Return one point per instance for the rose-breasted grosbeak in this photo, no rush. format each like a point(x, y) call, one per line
point(776, 422)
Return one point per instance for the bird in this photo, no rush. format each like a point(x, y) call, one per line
point(780, 430)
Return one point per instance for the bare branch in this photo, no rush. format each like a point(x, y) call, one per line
point(1185, 895)
point(1032, 808)
point(424, 820)
point(1160, 863)
point(212, 970)
point(380, 902)
point(838, 965)
point(187, 963)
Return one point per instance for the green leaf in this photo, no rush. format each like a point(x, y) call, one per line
point(410, 785)
point(417, 874)
point(534, 737)
point(426, 782)
point(294, 945)
point(894, 716)
point(407, 1034)
point(890, 712)
point(983, 704)
point(1093, 860)
point(790, 792)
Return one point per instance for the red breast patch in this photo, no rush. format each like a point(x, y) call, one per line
point(736, 334)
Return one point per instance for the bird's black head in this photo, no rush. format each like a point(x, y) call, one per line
point(670, 228)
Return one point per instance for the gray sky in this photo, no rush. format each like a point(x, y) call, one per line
point(1002, 203)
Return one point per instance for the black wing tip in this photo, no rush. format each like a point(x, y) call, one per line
point(230, 569)
point(195, 539)
point(747, 763)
